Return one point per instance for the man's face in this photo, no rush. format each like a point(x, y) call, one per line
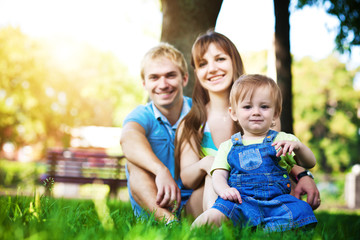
point(164, 82)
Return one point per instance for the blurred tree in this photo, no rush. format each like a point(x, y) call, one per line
point(283, 61)
point(20, 76)
point(325, 112)
point(348, 13)
point(183, 21)
point(45, 92)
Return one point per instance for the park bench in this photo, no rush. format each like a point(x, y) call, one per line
point(86, 166)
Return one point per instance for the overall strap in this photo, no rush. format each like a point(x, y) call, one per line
point(236, 139)
point(270, 136)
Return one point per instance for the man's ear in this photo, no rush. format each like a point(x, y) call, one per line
point(233, 114)
point(185, 80)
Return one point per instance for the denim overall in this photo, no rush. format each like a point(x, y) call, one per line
point(264, 187)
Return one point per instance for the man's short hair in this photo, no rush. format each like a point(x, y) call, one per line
point(168, 51)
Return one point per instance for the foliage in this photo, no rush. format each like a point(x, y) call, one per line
point(18, 174)
point(326, 106)
point(348, 13)
point(46, 88)
point(40, 217)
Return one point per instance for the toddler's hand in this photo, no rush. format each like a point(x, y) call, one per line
point(231, 194)
point(285, 147)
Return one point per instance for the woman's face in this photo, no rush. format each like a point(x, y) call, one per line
point(215, 70)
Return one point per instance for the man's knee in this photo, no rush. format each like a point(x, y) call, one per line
point(141, 182)
point(139, 176)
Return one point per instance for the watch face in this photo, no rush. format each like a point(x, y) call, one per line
point(309, 174)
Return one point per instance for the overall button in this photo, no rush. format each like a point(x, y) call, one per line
point(285, 176)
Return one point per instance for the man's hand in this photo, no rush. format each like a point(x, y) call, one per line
point(168, 194)
point(231, 194)
point(306, 185)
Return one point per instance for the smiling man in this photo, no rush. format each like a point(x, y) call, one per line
point(148, 136)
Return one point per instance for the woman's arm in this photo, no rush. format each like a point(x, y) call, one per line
point(193, 169)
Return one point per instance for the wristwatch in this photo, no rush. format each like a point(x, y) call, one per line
point(303, 174)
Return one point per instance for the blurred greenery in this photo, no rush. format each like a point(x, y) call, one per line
point(14, 174)
point(48, 88)
point(326, 107)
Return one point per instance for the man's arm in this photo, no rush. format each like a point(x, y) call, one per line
point(306, 185)
point(138, 151)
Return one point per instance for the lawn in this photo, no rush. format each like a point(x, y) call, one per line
point(41, 217)
point(28, 214)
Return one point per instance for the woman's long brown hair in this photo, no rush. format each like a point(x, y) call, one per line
point(194, 122)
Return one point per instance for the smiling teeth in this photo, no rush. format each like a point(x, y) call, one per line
point(215, 78)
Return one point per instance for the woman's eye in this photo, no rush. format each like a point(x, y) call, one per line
point(201, 64)
point(220, 59)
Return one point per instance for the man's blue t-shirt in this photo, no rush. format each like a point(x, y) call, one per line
point(160, 134)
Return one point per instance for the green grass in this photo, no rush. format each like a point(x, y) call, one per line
point(41, 217)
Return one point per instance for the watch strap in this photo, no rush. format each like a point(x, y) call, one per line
point(303, 174)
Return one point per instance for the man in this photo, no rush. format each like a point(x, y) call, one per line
point(148, 136)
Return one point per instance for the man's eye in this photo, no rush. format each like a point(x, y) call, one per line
point(153, 78)
point(172, 75)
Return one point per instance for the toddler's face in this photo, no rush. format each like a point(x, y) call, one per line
point(255, 114)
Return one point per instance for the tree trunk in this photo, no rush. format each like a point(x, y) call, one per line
point(283, 61)
point(183, 21)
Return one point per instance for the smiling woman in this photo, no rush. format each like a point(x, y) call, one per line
point(214, 70)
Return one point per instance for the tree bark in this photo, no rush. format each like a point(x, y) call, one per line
point(283, 61)
point(183, 22)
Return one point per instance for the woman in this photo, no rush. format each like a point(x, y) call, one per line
point(217, 64)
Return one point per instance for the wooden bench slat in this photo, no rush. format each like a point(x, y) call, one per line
point(81, 167)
